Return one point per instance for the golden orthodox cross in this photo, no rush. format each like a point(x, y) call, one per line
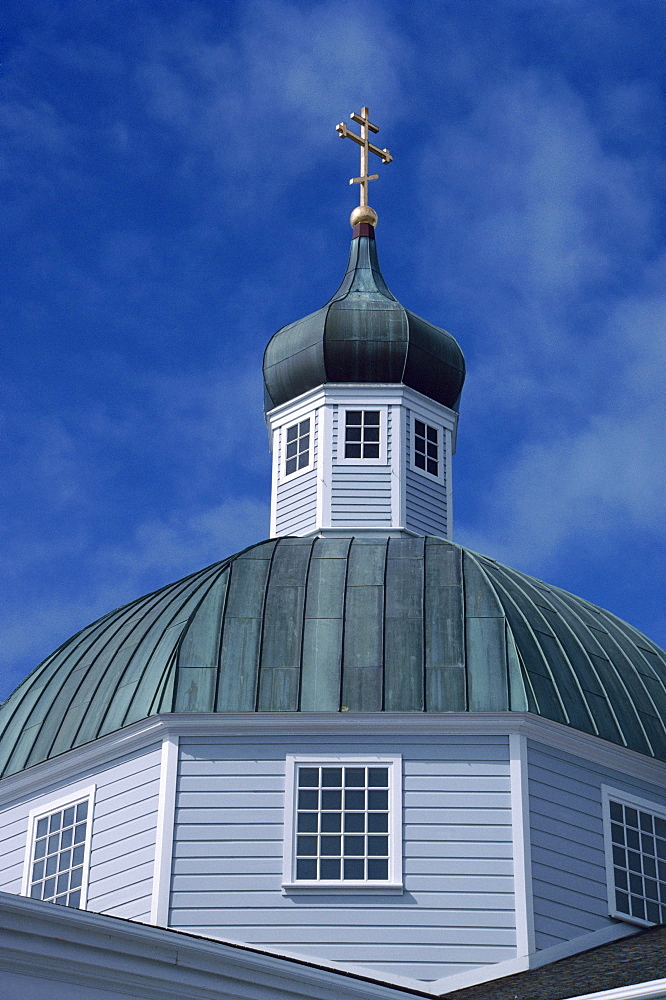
point(366, 147)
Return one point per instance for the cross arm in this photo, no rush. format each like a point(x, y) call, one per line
point(360, 120)
point(344, 133)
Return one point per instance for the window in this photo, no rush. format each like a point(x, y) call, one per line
point(297, 450)
point(426, 448)
point(362, 439)
point(343, 823)
point(58, 849)
point(636, 858)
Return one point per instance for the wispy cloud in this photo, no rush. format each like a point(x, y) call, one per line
point(553, 269)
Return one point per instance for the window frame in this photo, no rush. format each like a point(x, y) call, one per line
point(393, 884)
point(634, 802)
point(288, 476)
point(46, 808)
point(343, 410)
point(439, 478)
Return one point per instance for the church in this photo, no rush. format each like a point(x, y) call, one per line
point(355, 757)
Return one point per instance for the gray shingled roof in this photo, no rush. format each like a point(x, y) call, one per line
point(627, 962)
point(358, 624)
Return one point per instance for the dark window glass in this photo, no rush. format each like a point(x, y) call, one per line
point(322, 853)
point(330, 845)
point(354, 868)
point(617, 812)
point(377, 822)
point(636, 871)
point(329, 868)
point(331, 822)
point(426, 448)
point(362, 430)
point(619, 857)
point(377, 799)
point(306, 868)
point(331, 799)
point(354, 799)
point(355, 777)
point(297, 452)
point(306, 846)
point(355, 845)
point(308, 777)
point(57, 867)
point(622, 902)
point(307, 822)
point(633, 840)
point(308, 799)
point(646, 822)
point(355, 822)
point(377, 846)
point(377, 868)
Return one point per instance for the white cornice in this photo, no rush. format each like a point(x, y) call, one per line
point(376, 392)
point(394, 725)
point(139, 737)
point(89, 949)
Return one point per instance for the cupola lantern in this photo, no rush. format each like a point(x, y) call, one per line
point(361, 401)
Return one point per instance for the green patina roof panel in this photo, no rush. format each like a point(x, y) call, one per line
point(345, 624)
point(363, 334)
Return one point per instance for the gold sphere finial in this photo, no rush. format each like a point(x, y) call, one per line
point(363, 213)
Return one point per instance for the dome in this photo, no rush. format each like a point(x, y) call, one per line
point(358, 624)
point(363, 334)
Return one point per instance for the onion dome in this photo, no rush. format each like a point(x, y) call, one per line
point(363, 334)
point(357, 624)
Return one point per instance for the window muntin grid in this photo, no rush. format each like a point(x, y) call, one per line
point(58, 857)
point(426, 447)
point(362, 438)
point(342, 823)
point(297, 447)
point(638, 843)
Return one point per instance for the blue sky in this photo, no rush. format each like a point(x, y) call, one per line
point(174, 192)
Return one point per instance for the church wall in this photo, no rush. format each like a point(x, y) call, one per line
point(457, 909)
point(425, 498)
point(360, 494)
point(567, 841)
point(123, 835)
point(296, 497)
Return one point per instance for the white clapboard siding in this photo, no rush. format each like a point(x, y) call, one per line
point(123, 845)
point(360, 494)
point(457, 911)
point(123, 834)
point(296, 495)
point(567, 842)
point(425, 497)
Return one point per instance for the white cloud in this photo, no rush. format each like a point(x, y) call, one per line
point(261, 97)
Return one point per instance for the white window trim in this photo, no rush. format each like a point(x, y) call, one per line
point(626, 798)
point(393, 885)
point(383, 435)
point(285, 476)
point(441, 449)
point(45, 809)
